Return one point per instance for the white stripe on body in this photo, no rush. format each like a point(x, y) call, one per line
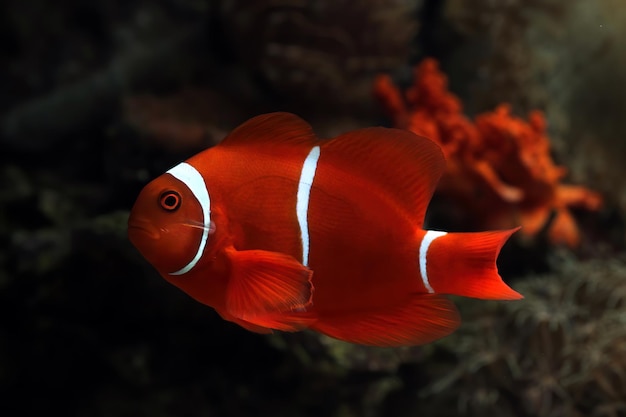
point(190, 176)
point(429, 237)
point(302, 200)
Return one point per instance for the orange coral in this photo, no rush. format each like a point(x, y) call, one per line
point(499, 166)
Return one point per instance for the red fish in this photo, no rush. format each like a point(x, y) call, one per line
point(277, 229)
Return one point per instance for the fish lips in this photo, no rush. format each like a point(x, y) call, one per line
point(157, 246)
point(142, 229)
point(145, 237)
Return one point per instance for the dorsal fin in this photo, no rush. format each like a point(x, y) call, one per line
point(401, 163)
point(272, 130)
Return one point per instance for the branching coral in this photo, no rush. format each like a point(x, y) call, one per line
point(499, 167)
point(560, 352)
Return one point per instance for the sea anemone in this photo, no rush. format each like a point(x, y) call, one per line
point(559, 352)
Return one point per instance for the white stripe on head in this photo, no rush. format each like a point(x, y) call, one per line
point(429, 237)
point(190, 176)
point(302, 202)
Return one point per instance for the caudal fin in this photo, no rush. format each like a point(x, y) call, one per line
point(465, 264)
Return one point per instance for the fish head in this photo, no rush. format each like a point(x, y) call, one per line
point(170, 224)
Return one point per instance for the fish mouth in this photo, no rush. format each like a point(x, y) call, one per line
point(144, 227)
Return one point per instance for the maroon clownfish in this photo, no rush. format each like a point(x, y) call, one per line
point(277, 229)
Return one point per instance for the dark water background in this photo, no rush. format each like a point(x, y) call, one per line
point(96, 98)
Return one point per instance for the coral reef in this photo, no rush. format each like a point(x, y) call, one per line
point(562, 57)
point(326, 51)
point(191, 119)
point(499, 167)
point(318, 59)
point(590, 64)
point(560, 352)
point(505, 44)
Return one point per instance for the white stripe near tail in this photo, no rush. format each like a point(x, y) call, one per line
point(430, 236)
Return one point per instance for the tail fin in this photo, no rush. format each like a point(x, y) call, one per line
point(465, 264)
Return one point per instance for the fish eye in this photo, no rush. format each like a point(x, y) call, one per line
point(170, 200)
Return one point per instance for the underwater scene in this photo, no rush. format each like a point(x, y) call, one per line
point(333, 208)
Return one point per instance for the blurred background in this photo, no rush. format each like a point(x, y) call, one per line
point(527, 98)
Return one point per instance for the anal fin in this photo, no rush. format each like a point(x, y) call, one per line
point(245, 324)
point(422, 319)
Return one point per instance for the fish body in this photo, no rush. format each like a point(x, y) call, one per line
point(277, 229)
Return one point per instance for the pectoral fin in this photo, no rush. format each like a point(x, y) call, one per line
point(264, 324)
point(264, 284)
